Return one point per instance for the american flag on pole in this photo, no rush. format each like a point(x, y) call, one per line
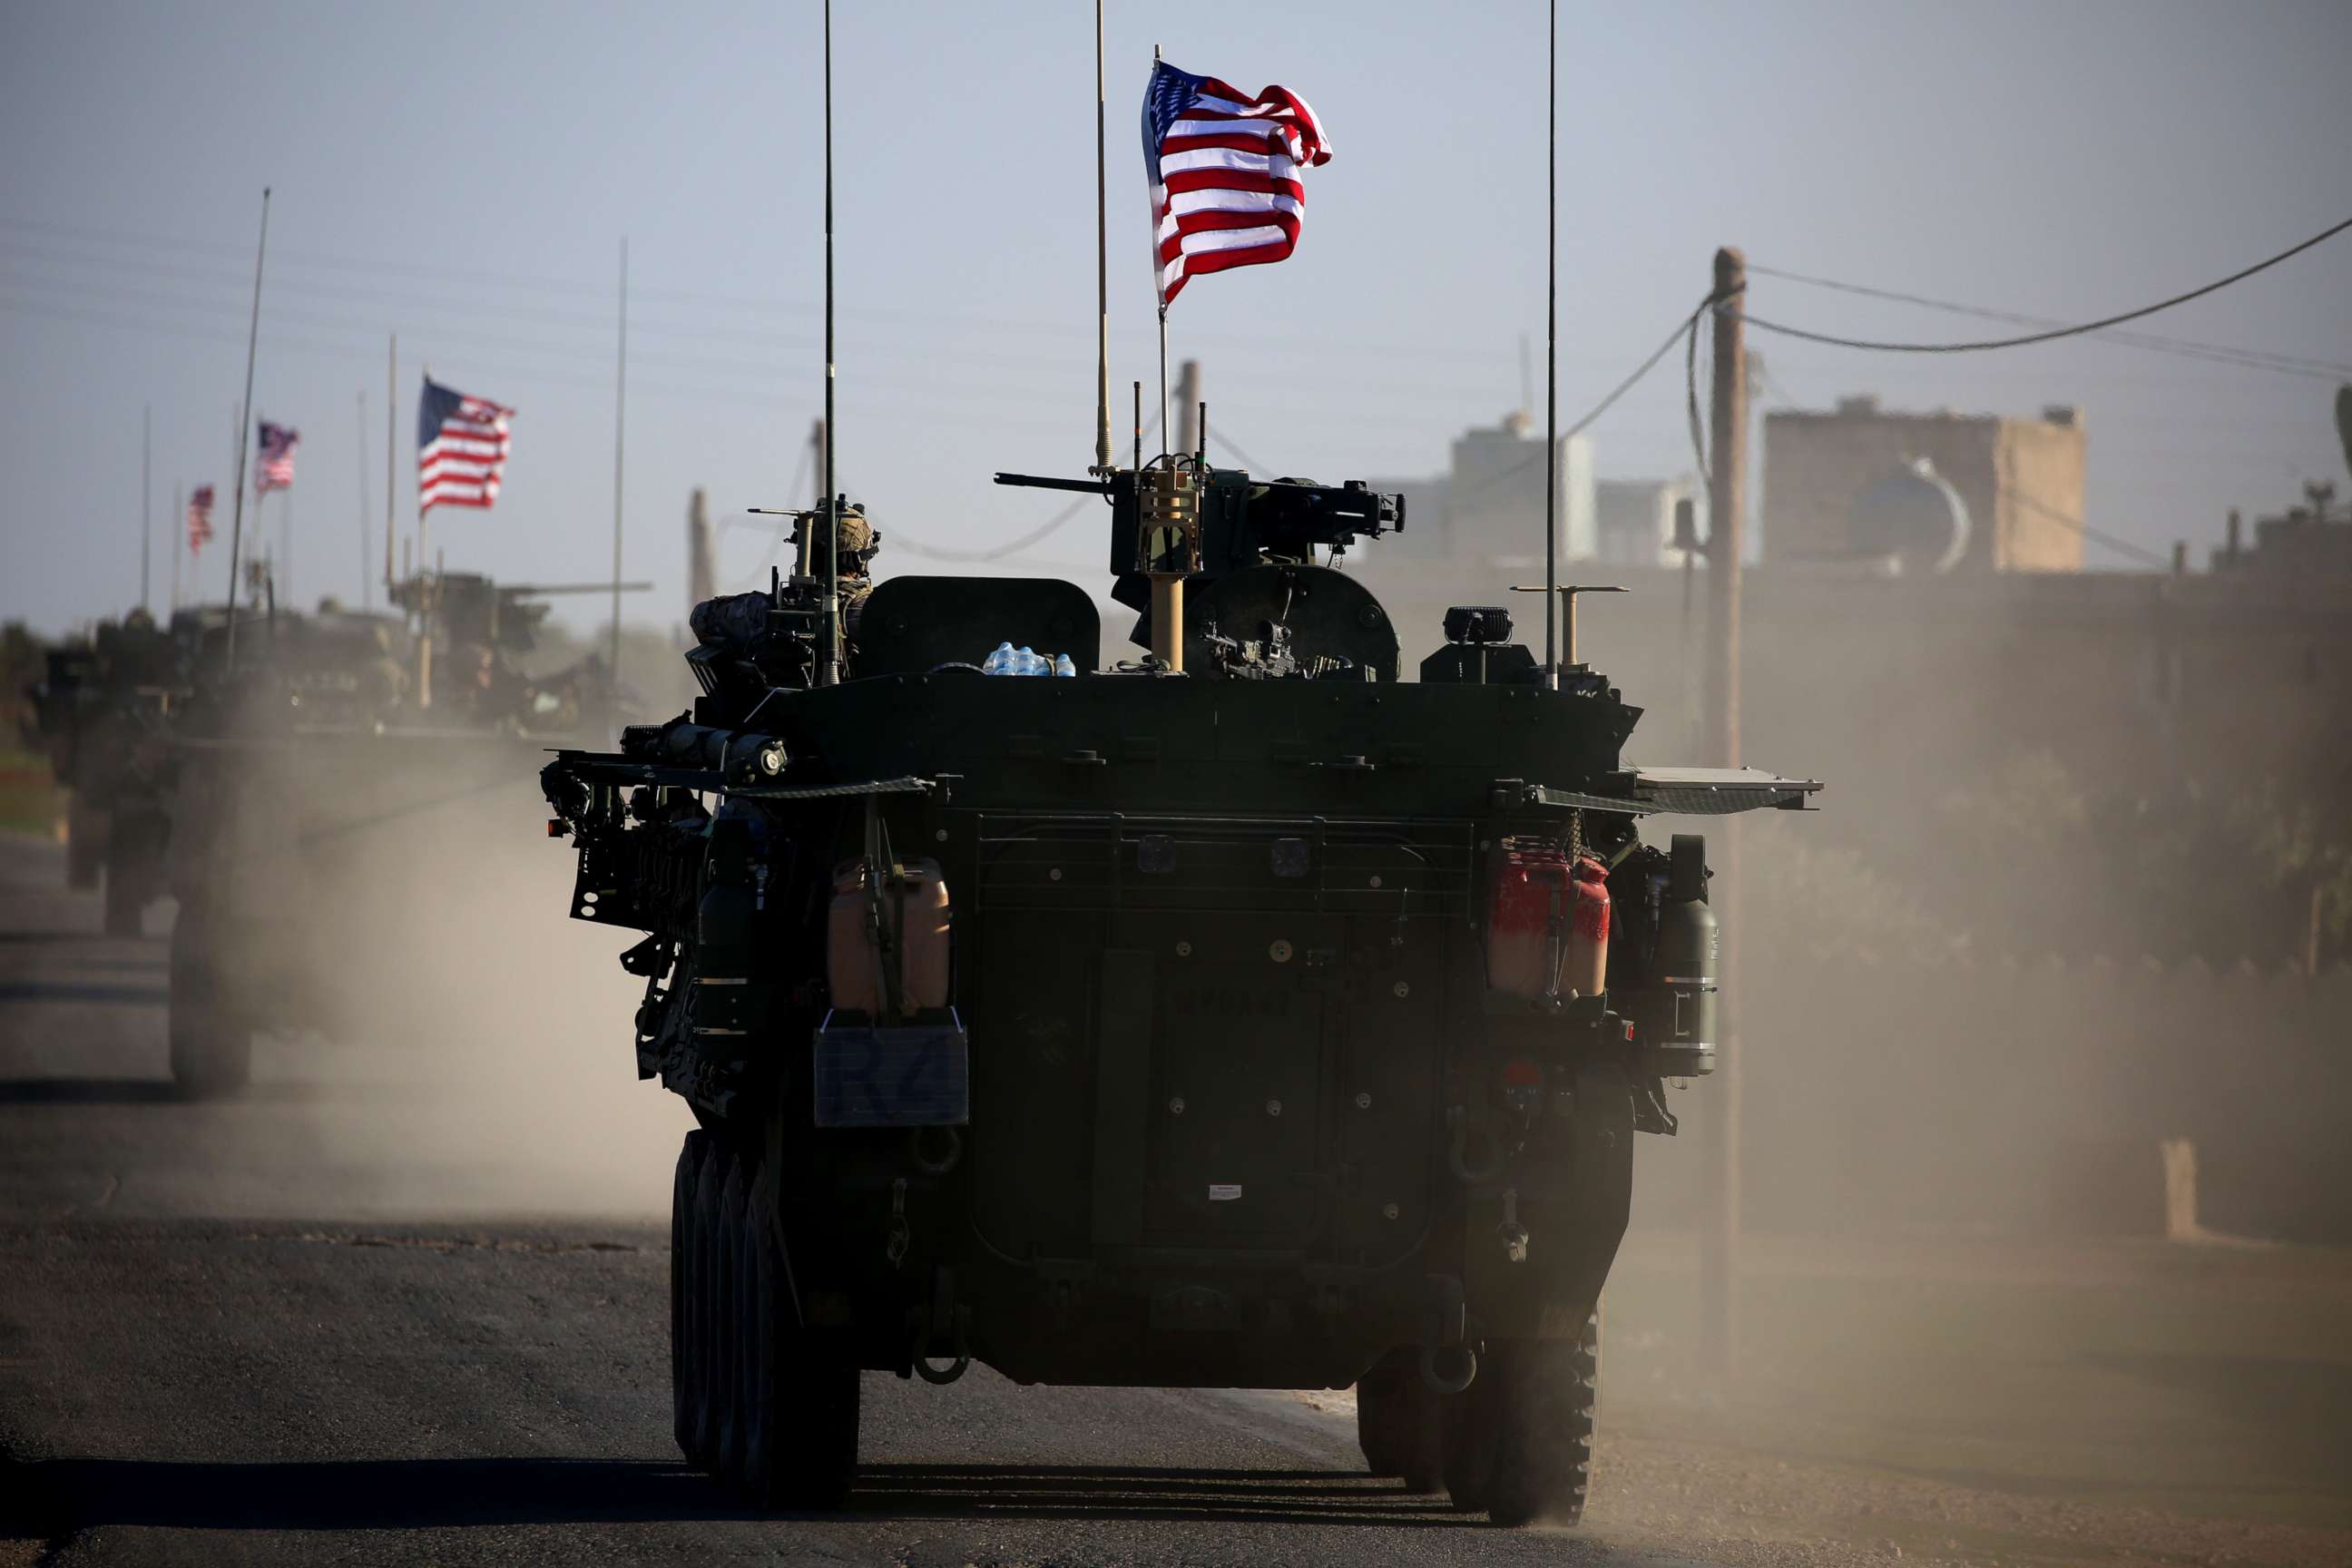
point(200, 518)
point(462, 445)
point(275, 469)
point(1225, 171)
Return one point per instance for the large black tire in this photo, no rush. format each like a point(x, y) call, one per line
point(211, 1042)
point(1399, 1423)
point(683, 1416)
point(704, 1309)
point(85, 844)
point(1467, 1442)
point(735, 1325)
point(1541, 1405)
point(800, 1389)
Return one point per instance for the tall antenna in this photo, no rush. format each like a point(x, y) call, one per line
point(1102, 271)
point(244, 433)
point(620, 431)
point(828, 669)
point(1551, 357)
point(391, 441)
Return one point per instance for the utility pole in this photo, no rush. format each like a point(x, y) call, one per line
point(367, 593)
point(1188, 407)
point(244, 421)
point(391, 440)
point(1726, 539)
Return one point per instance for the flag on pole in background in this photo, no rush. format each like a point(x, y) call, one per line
point(200, 518)
point(462, 445)
point(1225, 171)
point(275, 468)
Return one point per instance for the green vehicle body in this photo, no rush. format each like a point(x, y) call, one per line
point(1220, 1096)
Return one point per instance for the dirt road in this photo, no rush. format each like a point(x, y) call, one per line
point(379, 1311)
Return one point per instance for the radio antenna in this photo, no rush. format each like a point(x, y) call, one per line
point(1551, 359)
point(829, 663)
point(1102, 271)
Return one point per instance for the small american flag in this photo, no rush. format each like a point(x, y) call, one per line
point(462, 445)
point(276, 471)
point(1224, 174)
point(200, 518)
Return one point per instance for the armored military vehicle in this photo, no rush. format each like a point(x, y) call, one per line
point(103, 709)
point(1234, 1014)
point(319, 749)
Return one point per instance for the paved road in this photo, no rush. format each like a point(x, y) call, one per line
point(225, 1335)
point(306, 1326)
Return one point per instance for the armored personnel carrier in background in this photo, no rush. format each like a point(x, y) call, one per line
point(1234, 1015)
point(103, 710)
point(333, 731)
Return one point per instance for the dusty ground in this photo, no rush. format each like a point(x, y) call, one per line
point(251, 1332)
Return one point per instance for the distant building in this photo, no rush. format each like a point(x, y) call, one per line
point(1934, 492)
point(1490, 505)
point(2313, 539)
point(1633, 520)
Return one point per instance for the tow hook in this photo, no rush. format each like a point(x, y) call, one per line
point(919, 1350)
point(1514, 1234)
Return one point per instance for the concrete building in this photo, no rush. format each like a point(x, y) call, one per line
point(1489, 505)
point(2018, 484)
point(1633, 520)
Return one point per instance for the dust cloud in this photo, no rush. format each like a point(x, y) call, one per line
point(474, 1055)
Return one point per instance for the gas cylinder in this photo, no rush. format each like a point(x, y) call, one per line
point(1547, 924)
point(1675, 1022)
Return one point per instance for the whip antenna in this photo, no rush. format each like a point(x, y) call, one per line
point(1551, 358)
point(829, 662)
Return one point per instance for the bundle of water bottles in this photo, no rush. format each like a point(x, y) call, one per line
point(1010, 660)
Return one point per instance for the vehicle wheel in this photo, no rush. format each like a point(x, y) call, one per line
point(210, 1044)
point(1542, 1408)
point(709, 1326)
point(1467, 1441)
point(85, 844)
point(134, 871)
point(735, 1327)
point(801, 1393)
point(1399, 1423)
point(683, 1368)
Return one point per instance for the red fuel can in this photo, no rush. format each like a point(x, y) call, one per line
point(1547, 924)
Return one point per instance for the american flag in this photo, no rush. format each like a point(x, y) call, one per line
point(276, 470)
point(462, 446)
point(200, 518)
point(1224, 174)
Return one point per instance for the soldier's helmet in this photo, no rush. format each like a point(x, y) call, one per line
point(858, 541)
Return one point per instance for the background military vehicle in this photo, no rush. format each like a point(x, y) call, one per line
point(331, 739)
point(103, 709)
point(1234, 1016)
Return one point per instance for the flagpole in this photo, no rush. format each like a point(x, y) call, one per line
point(177, 513)
point(1157, 288)
point(243, 432)
point(146, 506)
point(427, 589)
point(367, 594)
point(1551, 359)
point(620, 431)
point(828, 669)
point(391, 443)
point(1102, 270)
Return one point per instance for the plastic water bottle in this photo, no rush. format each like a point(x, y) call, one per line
point(1062, 665)
point(1004, 661)
point(1029, 663)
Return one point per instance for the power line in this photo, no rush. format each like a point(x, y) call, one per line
point(1035, 535)
point(2120, 546)
point(2078, 330)
point(2217, 354)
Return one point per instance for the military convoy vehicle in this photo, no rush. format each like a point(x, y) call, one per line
point(103, 709)
point(287, 770)
point(1231, 1015)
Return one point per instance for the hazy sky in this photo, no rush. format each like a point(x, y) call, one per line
point(463, 175)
